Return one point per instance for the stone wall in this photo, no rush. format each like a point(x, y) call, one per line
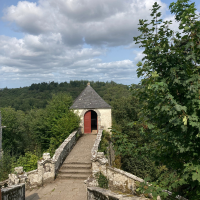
point(4, 183)
point(96, 193)
point(14, 192)
point(95, 147)
point(48, 167)
point(118, 179)
point(104, 118)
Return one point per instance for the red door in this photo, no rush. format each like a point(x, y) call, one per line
point(87, 122)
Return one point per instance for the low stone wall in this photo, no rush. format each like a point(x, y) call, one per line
point(96, 193)
point(47, 168)
point(118, 179)
point(14, 192)
point(4, 183)
point(65, 148)
point(95, 147)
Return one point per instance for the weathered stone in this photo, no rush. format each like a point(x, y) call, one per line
point(96, 193)
point(118, 179)
point(15, 192)
point(19, 170)
point(47, 167)
point(46, 156)
point(13, 179)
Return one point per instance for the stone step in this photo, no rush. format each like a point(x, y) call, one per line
point(77, 163)
point(75, 171)
point(75, 166)
point(73, 176)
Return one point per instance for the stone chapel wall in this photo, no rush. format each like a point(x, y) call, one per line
point(104, 118)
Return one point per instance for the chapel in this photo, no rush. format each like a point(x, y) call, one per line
point(94, 112)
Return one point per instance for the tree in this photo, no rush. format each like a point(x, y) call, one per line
point(13, 135)
point(60, 121)
point(171, 87)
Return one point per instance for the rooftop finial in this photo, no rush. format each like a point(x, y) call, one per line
point(88, 83)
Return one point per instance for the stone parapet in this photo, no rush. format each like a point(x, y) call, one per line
point(65, 148)
point(96, 193)
point(48, 167)
point(13, 192)
point(95, 147)
point(118, 179)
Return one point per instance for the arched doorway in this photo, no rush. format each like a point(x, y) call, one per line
point(90, 122)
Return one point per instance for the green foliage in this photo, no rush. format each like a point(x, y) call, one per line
point(28, 134)
point(6, 164)
point(102, 180)
point(38, 95)
point(104, 144)
point(13, 134)
point(60, 121)
point(127, 140)
point(170, 87)
point(28, 161)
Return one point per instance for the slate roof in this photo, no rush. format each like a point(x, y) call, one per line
point(89, 99)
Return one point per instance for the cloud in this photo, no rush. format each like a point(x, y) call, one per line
point(67, 40)
point(34, 58)
point(105, 22)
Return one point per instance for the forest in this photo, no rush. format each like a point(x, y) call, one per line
point(37, 95)
point(156, 124)
point(35, 119)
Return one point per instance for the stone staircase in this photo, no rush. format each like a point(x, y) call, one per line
point(75, 170)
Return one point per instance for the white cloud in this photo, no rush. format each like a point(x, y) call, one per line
point(105, 22)
point(55, 33)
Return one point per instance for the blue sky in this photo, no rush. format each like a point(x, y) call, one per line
point(63, 40)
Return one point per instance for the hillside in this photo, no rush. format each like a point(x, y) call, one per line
point(37, 95)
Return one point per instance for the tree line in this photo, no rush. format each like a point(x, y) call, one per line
point(38, 119)
point(38, 94)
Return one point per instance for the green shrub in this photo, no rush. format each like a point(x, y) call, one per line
point(102, 180)
point(28, 161)
point(6, 163)
point(104, 144)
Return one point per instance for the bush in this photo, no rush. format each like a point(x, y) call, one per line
point(102, 180)
point(28, 161)
point(6, 163)
point(104, 144)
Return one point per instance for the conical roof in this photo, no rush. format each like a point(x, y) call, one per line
point(89, 99)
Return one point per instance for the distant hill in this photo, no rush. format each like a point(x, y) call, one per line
point(37, 95)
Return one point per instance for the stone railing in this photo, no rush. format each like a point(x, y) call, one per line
point(65, 148)
point(96, 193)
point(118, 180)
point(4, 183)
point(47, 168)
point(95, 147)
point(13, 192)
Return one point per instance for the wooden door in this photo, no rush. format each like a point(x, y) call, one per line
point(97, 124)
point(87, 122)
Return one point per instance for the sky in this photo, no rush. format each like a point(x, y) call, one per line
point(63, 40)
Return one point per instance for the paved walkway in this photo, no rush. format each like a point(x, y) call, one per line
point(67, 189)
